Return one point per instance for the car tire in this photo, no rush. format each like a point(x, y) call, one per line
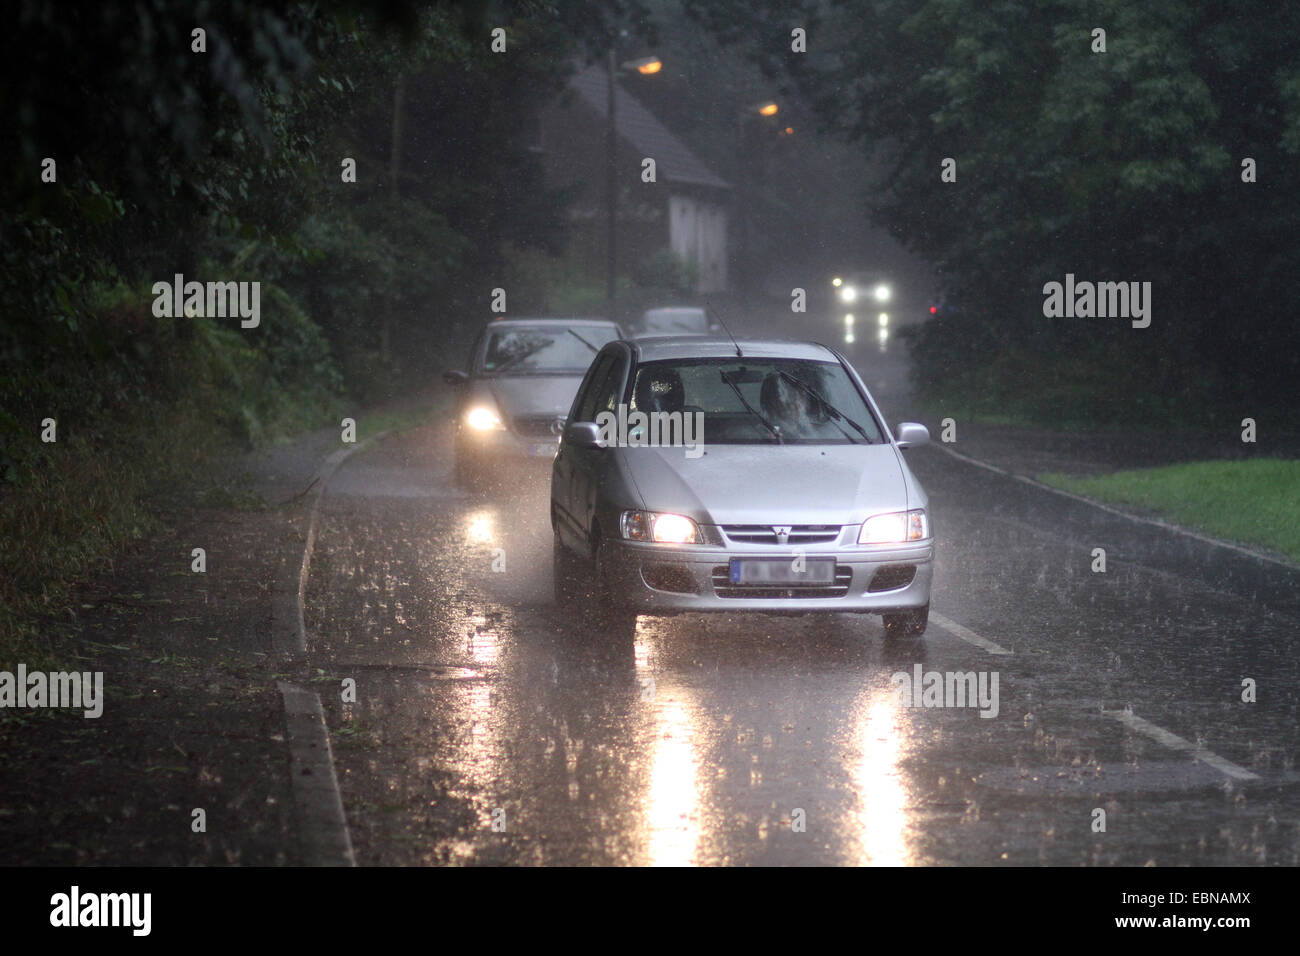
point(565, 574)
point(909, 623)
point(608, 612)
point(469, 473)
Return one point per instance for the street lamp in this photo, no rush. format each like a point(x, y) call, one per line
point(763, 108)
point(646, 66)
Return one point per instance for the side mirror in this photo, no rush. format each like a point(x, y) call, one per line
point(911, 434)
point(582, 435)
point(455, 377)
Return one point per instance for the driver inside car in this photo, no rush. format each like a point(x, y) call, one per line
point(786, 406)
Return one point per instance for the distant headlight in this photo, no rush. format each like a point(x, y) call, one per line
point(481, 418)
point(882, 293)
point(660, 528)
point(895, 528)
point(849, 294)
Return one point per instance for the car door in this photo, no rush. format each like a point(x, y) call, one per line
point(563, 475)
point(580, 472)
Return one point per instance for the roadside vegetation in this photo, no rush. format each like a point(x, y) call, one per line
point(1161, 153)
point(1254, 502)
point(135, 156)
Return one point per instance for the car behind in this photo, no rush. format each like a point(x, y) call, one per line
point(520, 382)
point(675, 320)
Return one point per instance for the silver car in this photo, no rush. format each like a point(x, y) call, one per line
point(702, 474)
point(522, 377)
point(675, 320)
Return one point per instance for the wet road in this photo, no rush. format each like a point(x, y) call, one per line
point(490, 727)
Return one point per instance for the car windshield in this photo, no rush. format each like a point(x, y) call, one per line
point(527, 350)
point(760, 401)
point(660, 321)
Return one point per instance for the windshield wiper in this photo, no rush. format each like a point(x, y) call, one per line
point(512, 362)
point(770, 427)
point(835, 413)
point(582, 340)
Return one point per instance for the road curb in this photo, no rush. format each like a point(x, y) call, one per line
point(289, 629)
point(324, 833)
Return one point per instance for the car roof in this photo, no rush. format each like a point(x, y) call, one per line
point(545, 320)
point(694, 309)
point(663, 347)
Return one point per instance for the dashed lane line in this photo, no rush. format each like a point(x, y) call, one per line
point(967, 635)
point(1174, 742)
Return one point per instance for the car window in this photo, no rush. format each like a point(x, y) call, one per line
point(760, 401)
point(544, 349)
point(602, 391)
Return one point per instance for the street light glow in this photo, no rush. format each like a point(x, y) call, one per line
point(767, 109)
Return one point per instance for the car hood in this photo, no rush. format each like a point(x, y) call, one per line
point(533, 395)
point(766, 484)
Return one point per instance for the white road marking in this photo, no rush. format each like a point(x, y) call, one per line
point(967, 635)
point(1127, 718)
point(1156, 522)
point(1174, 742)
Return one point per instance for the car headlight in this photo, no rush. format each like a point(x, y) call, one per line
point(483, 418)
point(848, 294)
point(659, 527)
point(882, 293)
point(895, 528)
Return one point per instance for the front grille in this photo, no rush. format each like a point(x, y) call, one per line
point(800, 534)
point(723, 587)
point(891, 577)
point(535, 426)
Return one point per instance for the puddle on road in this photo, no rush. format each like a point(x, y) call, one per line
point(447, 672)
point(1148, 777)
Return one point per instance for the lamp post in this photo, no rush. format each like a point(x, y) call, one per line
point(763, 109)
point(646, 66)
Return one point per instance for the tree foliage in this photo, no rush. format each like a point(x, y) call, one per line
point(1118, 165)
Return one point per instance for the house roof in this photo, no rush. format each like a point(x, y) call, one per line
point(674, 161)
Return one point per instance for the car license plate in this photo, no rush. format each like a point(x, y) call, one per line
point(816, 571)
point(543, 449)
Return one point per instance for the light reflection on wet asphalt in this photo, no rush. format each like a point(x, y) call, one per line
point(491, 727)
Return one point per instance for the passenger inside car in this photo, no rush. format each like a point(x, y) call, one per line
point(785, 406)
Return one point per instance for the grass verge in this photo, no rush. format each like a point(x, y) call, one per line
point(1254, 502)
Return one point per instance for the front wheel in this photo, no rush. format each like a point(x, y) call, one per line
point(465, 473)
point(608, 610)
point(909, 623)
point(565, 573)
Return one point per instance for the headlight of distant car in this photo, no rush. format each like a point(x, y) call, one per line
point(882, 293)
point(659, 527)
point(483, 418)
point(895, 528)
point(848, 293)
